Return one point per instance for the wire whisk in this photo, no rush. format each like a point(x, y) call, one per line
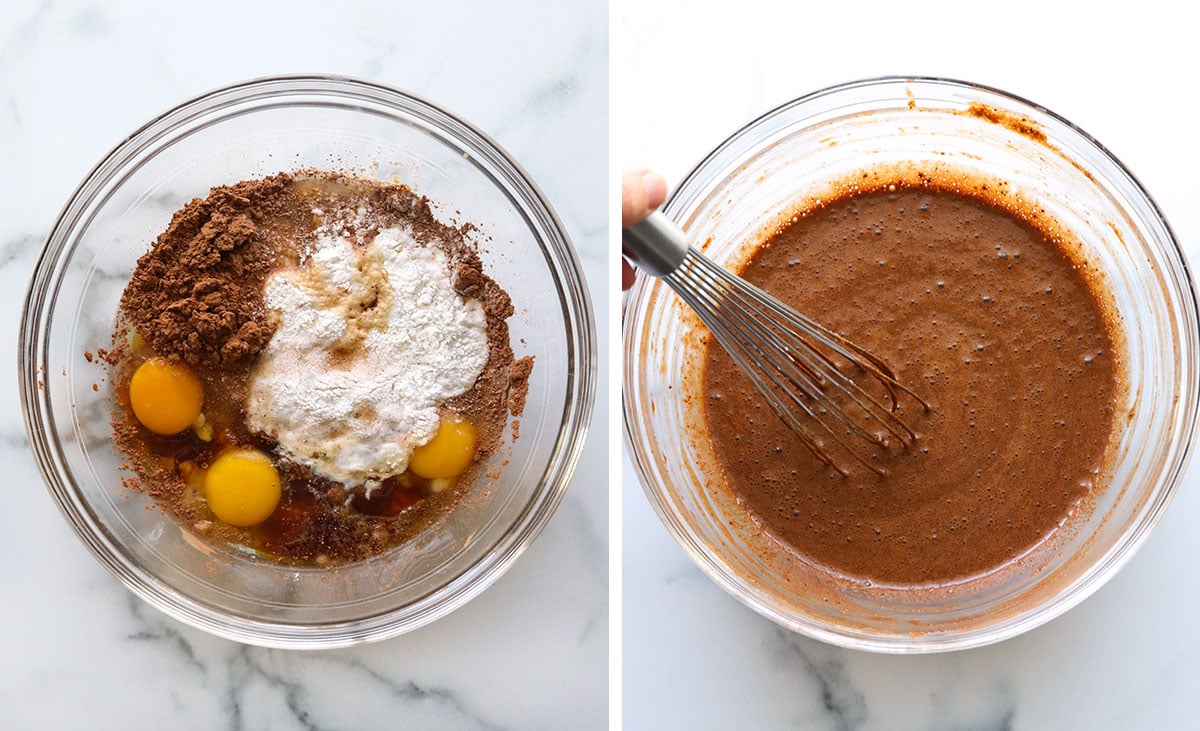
point(791, 359)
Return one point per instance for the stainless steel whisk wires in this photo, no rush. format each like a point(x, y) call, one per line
point(787, 356)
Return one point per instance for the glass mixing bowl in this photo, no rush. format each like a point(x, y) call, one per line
point(760, 176)
point(252, 130)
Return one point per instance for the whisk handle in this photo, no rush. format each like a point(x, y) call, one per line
point(656, 245)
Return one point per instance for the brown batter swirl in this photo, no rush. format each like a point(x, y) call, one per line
point(991, 321)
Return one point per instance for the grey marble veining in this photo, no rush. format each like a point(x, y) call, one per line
point(79, 650)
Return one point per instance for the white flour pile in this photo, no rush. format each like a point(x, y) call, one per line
point(370, 343)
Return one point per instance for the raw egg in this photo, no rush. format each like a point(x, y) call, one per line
point(165, 397)
point(242, 487)
point(448, 454)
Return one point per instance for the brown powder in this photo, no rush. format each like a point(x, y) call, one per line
point(518, 384)
point(196, 295)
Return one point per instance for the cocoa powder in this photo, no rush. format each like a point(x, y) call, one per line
point(196, 295)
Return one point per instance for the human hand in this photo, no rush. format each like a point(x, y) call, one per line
point(641, 193)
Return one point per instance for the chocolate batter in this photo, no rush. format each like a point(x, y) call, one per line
point(991, 321)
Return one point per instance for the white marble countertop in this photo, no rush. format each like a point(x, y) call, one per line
point(80, 651)
point(1129, 656)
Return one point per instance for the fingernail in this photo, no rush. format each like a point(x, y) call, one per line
point(656, 188)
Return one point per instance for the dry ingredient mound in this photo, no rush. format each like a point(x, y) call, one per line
point(405, 342)
point(197, 296)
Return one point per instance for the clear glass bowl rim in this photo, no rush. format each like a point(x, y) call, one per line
point(730, 582)
point(580, 353)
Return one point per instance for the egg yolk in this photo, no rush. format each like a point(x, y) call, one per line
point(448, 454)
point(165, 397)
point(242, 487)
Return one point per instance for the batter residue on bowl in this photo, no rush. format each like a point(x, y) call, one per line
point(989, 315)
point(311, 365)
